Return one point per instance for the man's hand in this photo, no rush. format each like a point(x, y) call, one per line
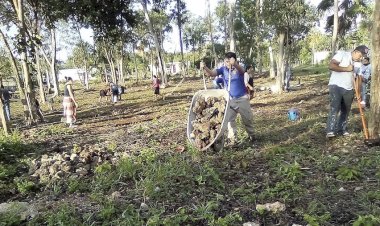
point(232, 61)
point(350, 68)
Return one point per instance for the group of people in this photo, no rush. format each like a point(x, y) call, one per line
point(347, 70)
point(342, 82)
point(113, 90)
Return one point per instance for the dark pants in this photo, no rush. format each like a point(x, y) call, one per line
point(7, 109)
point(340, 102)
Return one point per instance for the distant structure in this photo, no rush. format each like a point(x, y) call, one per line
point(76, 74)
point(170, 68)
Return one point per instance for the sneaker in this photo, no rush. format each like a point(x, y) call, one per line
point(330, 135)
point(345, 133)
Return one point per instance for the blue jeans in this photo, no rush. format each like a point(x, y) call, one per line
point(364, 91)
point(340, 103)
point(7, 110)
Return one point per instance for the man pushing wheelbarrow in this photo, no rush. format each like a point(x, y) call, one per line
point(233, 77)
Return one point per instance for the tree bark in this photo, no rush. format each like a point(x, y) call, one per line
point(211, 33)
point(225, 29)
point(53, 67)
point(336, 25)
point(135, 63)
point(374, 116)
point(258, 37)
point(272, 73)
point(280, 65)
point(29, 93)
point(39, 78)
point(231, 26)
point(156, 42)
point(4, 121)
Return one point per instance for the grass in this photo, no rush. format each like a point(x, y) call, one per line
point(162, 180)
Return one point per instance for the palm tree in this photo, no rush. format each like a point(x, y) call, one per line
point(350, 9)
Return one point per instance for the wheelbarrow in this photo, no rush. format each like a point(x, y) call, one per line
point(218, 142)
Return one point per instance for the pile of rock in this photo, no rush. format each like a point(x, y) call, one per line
point(208, 121)
point(61, 165)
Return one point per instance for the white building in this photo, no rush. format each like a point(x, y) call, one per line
point(76, 74)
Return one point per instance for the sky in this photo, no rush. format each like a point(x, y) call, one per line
point(171, 44)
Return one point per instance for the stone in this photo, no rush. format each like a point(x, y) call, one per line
point(275, 207)
point(74, 157)
point(251, 224)
point(144, 207)
point(115, 195)
point(81, 172)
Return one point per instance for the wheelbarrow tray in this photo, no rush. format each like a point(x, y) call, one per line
point(191, 116)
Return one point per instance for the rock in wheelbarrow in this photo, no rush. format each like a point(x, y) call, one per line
point(209, 117)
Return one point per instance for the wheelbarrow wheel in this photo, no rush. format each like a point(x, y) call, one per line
point(219, 144)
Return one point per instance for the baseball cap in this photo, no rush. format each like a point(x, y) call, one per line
point(363, 49)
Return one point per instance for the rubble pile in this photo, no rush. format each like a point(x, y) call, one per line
point(208, 121)
point(64, 165)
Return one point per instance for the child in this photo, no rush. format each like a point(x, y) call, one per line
point(248, 81)
point(365, 73)
point(156, 87)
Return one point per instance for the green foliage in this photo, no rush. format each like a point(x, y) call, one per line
point(58, 129)
point(348, 173)
point(64, 215)
point(367, 220)
point(24, 186)
point(10, 219)
point(77, 185)
point(291, 171)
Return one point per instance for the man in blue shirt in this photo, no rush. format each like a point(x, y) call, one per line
point(239, 102)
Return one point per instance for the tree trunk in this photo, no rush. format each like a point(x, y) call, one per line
point(121, 70)
point(280, 65)
point(211, 33)
point(39, 78)
point(53, 69)
point(4, 121)
point(258, 37)
point(231, 26)
point(272, 73)
point(180, 35)
point(135, 64)
point(86, 78)
point(156, 42)
point(29, 93)
point(225, 29)
point(374, 116)
point(336, 25)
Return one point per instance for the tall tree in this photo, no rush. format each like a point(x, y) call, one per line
point(374, 119)
point(210, 28)
point(291, 21)
point(161, 63)
point(231, 19)
point(349, 11)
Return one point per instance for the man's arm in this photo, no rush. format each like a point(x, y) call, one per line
point(239, 68)
point(334, 66)
point(207, 70)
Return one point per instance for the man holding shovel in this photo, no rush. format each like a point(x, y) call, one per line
point(341, 89)
point(233, 77)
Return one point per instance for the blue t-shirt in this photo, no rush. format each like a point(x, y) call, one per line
point(238, 88)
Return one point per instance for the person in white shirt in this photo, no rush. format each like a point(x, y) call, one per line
point(341, 89)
